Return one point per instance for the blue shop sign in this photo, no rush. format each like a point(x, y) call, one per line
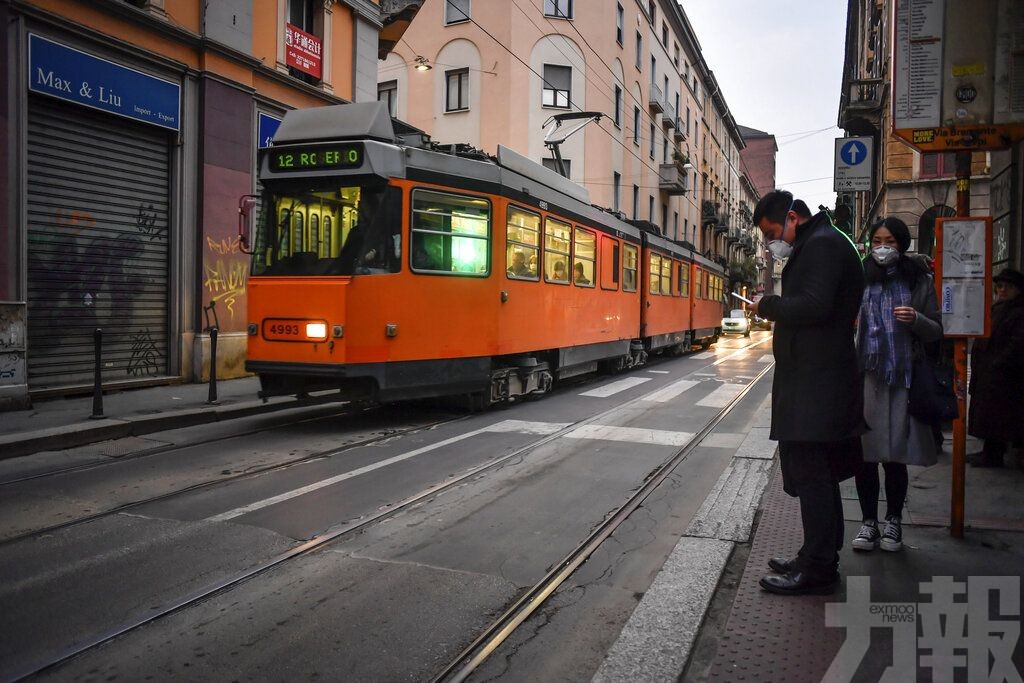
point(61, 71)
point(265, 128)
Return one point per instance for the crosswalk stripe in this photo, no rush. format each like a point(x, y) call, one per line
point(671, 391)
point(702, 356)
point(660, 372)
point(615, 387)
point(766, 358)
point(657, 437)
point(720, 397)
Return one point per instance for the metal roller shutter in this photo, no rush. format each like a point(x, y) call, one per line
point(97, 245)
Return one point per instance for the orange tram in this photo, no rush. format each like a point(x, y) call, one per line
point(391, 268)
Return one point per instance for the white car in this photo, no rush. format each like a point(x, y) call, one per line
point(736, 323)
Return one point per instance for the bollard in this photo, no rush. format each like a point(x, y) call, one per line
point(97, 382)
point(212, 400)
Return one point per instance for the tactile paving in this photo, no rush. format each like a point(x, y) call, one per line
point(773, 637)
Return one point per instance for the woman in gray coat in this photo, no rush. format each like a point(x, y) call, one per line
point(898, 314)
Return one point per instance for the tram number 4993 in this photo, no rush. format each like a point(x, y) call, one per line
point(287, 329)
point(284, 330)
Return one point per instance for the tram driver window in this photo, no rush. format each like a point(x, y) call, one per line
point(451, 234)
point(629, 265)
point(522, 244)
point(328, 230)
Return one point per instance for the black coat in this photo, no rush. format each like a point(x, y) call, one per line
point(997, 376)
point(817, 393)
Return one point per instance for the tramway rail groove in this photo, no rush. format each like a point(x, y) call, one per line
point(506, 624)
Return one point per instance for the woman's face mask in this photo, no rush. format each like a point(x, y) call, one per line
point(885, 255)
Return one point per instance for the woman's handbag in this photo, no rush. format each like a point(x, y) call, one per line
point(932, 398)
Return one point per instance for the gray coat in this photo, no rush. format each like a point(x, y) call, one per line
point(895, 436)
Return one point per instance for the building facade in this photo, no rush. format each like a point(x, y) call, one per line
point(666, 152)
point(133, 130)
point(918, 188)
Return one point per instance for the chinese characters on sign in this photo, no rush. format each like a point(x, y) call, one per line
point(302, 51)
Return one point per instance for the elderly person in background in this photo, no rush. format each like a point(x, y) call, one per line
point(997, 374)
point(898, 314)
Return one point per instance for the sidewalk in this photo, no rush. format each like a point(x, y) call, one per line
point(758, 636)
point(59, 423)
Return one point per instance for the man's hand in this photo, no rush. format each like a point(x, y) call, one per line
point(905, 314)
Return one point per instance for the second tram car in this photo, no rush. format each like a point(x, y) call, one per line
point(390, 268)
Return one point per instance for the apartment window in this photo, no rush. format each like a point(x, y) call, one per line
point(616, 189)
point(558, 8)
point(650, 207)
point(654, 70)
point(664, 34)
point(664, 217)
point(675, 59)
point(456, 11)
point(677, 104)
point(557, 86)
point(618, 107)
point(457, 93)
point(636, 126)
point(636, 202)
point(652, 10)
point(302, 14)
point(620, 22)
point(686, 228)
point(664, 149)
point(639, 50)
point(387, 92)
point(651, 153)
point(687, 122)
point(675, 224)
point(938, 165)
point(552, 164)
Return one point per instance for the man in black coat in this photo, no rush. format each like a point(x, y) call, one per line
point(817, 394)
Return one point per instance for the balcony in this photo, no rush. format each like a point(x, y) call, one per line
point(722, 225)
point(708, 212)
point(668, 119)
point(734, 235)
point(655, 101)
point(747, 242)
point(672, 178)
point(680, 133)
point(860, 106)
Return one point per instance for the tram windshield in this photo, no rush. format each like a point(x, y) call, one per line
point(329, 230)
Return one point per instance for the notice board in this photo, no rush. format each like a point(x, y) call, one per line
point(963, 275)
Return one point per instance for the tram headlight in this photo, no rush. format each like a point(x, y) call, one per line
point(316, 330)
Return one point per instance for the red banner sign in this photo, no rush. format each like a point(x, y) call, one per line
point(302, 51)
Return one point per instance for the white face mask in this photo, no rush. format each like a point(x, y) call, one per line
point(884, 255)
point(780, 249)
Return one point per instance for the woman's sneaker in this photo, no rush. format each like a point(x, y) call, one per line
point(892, 536)
point(867, 538)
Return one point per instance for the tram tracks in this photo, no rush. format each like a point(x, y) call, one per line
point(507, 624)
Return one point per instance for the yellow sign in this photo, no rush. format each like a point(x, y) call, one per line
point(968, 70)
point(978, 138)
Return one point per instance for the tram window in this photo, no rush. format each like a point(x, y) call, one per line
point(451, 234)
point(327, 230)
point(654, 271)
point(684, 279)
point(609, 262)
point(666, 276)
point(698, 283)
point(584, 258)
point(629, 264)
point(522, 244)
point(556, 251)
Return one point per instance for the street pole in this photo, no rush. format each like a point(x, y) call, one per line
point(959, 471)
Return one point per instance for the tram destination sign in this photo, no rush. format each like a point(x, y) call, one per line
point(346, 155)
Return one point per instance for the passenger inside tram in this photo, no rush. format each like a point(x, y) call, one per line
point(579, 277)
point(559, 272)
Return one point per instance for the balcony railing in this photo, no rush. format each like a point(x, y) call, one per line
point(680, 133)
point(722, 224)
point(734, 235)
point(656, 103)
point(672, 179)
point(668, 119)
point(708, 212)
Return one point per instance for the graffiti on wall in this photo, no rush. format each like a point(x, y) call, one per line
point(145, 358)
point(226, 269)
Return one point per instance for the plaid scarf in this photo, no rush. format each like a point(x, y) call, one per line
point(884, 344)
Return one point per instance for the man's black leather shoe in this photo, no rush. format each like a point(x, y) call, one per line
point(781, 565)
point(799, 583)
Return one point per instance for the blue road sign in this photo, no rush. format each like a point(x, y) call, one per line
point(267, 126)
point(853, 152)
